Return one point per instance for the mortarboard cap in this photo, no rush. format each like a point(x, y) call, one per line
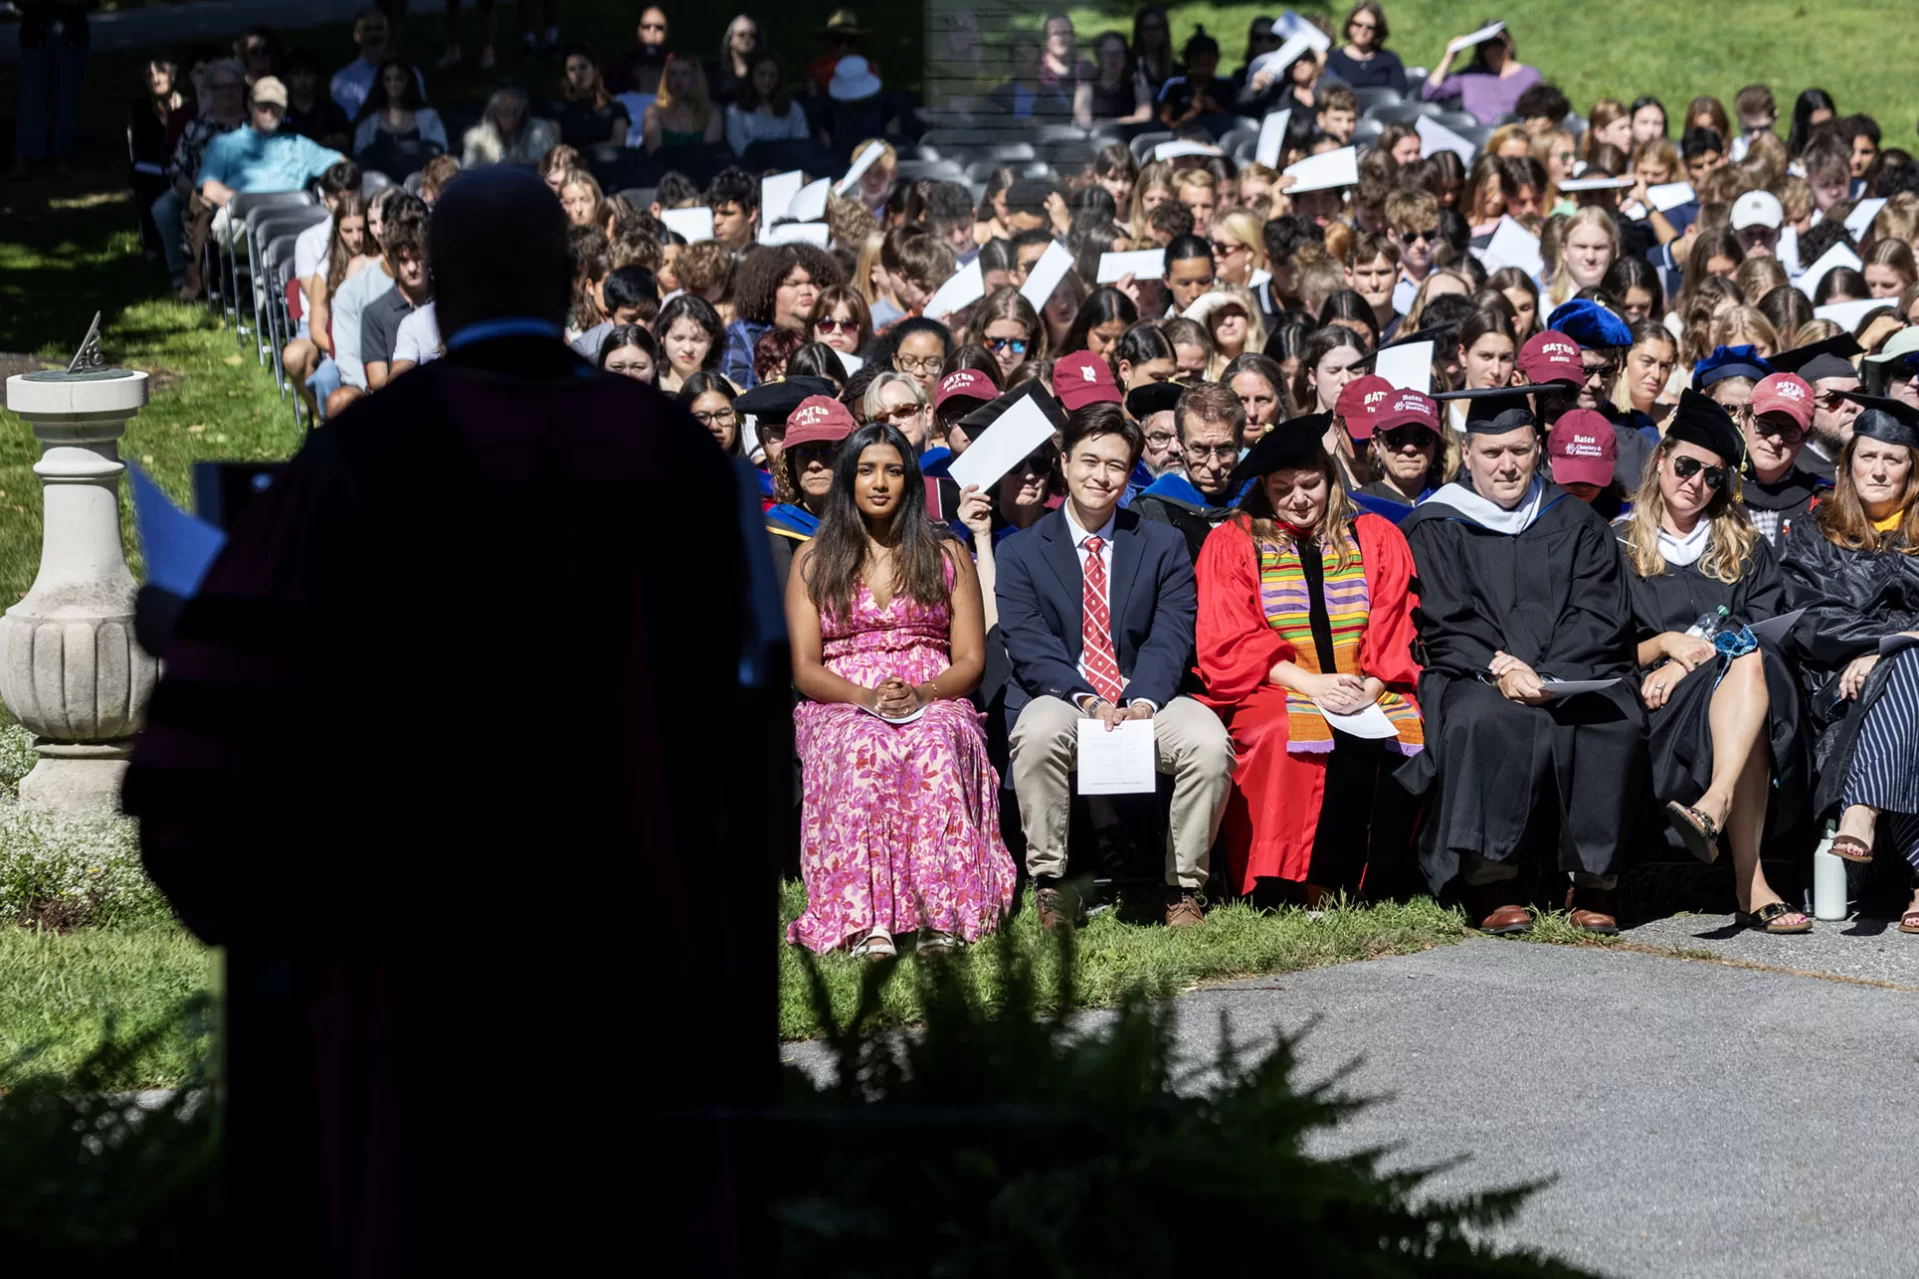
point(1153, 397)
point(1495, 410)
point(1702, 420)
point(1298, 443)
point(773, 402)
point(1886, 420)
point(1829, 358)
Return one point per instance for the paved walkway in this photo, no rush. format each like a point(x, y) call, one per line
point(1704, 1121)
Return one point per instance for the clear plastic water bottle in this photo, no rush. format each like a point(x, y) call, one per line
point(1708, 624)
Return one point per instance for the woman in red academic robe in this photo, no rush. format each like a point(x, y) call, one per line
point(1308, 661)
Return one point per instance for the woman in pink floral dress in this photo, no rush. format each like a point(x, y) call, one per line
point(901, 826)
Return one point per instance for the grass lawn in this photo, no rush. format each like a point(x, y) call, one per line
point(1861, 53)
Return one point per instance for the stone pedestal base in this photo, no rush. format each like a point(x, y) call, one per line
point(75, 780)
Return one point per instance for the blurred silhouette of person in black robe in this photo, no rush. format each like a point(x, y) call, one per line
point(444, 754)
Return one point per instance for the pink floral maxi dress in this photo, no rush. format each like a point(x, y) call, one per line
point(901, 821)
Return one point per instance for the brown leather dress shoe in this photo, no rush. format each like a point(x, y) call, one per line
point(1593, 910)
point(1058, 909)
point(1183, 909)
point(1506, 920)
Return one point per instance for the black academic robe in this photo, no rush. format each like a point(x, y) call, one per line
point(433, 757)
point(1554, 596)
point(1679, 733)
point(1852, 599)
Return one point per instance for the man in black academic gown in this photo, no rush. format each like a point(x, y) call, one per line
point(1827, 368)
point(1211, 420)
point(433, 757)
point(1775, 492)
point(1520, 584)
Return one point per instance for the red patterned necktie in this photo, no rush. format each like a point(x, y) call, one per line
point(1096, 628)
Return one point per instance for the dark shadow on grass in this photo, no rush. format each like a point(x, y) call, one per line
point(47, 299)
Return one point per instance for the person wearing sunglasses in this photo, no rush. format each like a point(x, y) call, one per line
point(1364, 62)
point(841, 320)
point(1520, 584)
point(1412, 220)
point(1411, 455)
point(896, 400)
point(1776, 494)
point(1009, 327)
point(1723, 725)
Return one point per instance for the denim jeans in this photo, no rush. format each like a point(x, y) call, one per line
point(324, 382)
point(49, 98)
point(170, 217)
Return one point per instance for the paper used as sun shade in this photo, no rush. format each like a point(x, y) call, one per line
point(1328, 169)
point(965, 286)
point(1512, 245)
point(1008, 442)
point(695, 224)
point(1141, 264)
point(776, 194)
point(861, 163)
point(1272, 137)
point(1046, 275)
point(1435, 137)
point(1831, 260)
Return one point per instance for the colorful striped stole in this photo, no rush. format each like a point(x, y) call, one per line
point(1287, 602)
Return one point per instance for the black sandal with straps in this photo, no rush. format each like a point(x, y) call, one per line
point(1767, 919)
point(1699, 832)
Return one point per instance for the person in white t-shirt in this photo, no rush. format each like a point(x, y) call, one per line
point(418, 341)
point(352, 299)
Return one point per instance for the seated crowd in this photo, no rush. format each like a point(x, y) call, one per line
point(1459, 514)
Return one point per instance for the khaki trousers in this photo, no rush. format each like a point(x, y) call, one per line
point(1193, 749)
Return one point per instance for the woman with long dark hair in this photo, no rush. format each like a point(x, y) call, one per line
point(1722, 713)
point(1152, 50)
point(1856, 573)
point(1489, 86)
point(1812, 107)
point(900, 826)
point(396, 132)
point(589, 114)
point(1305, 612)
point(1102, 321)
point(1142, 354)
point(760, 109)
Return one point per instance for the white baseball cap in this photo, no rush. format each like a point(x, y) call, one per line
point(1757, 208)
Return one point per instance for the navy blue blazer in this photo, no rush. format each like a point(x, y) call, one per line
point(1150, 595)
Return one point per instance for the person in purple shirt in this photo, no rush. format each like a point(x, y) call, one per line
point(1490, 85)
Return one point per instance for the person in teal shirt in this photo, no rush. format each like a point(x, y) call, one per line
point(259, 157)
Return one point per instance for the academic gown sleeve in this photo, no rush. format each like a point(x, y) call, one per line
point(1237, 647)
point(1592, 637)
point(1386, 648)
point(1456, 637)
point(1840, 622)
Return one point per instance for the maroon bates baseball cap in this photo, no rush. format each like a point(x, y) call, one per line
point(965, 384)
point(1583, 449)
point(1785, 393)
point(1406, 408)
point(1359, 400)
point(1083, 378)
point(1551, 356)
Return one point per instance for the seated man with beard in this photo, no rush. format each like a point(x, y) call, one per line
point(1210, 419)
point(1520, 584)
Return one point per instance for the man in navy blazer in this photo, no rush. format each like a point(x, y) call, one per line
point(1097, 607)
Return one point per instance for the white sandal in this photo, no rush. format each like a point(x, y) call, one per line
point(935, 942)
point(875, 945)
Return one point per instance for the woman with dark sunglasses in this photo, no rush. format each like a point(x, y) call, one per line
point(841, 320)
point(1009, 327)
point(1411, 460)
point(1723, 714)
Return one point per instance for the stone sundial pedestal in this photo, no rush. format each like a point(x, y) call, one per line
point(70, 668)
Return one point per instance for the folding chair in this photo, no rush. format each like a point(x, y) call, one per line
point(263, 224)
point(239, 209)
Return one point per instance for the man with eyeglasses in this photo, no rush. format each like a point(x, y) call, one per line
point(1211, 421)
point(1189, 272)
point(1776, 493)
point(1826, 366)
point(1412, 218)
point(1154, 406)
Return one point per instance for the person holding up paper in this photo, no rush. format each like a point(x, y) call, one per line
point(1723, 726)
point(1096, 606)
point(1520, 582)
point(900, 805)
point(1305, 613)
point(1490, 85)
point(1854, 568)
